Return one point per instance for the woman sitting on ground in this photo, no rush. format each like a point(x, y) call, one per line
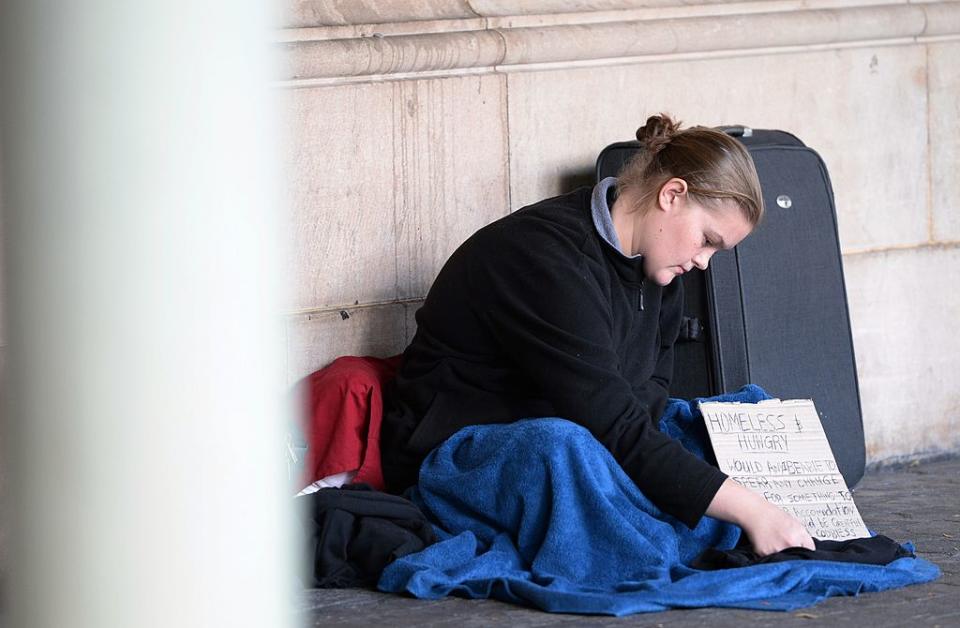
point(570, 308)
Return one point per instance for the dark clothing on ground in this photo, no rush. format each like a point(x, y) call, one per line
point(877, 550)
point(537, 316)
point(352, 533)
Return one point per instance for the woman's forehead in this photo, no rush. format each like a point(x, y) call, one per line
point(730, 224)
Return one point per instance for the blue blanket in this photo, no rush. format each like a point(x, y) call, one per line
point(539, 513)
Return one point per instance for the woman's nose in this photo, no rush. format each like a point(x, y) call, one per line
point(702, 260)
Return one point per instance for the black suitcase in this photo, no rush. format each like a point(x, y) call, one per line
point(773, 311)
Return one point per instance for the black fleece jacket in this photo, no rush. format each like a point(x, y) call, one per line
point(535, 315)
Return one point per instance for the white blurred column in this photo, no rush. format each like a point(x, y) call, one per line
point(145, 339)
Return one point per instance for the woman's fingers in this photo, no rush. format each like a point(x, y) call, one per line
point(775, 530)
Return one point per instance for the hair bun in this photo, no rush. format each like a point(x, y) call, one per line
point(657, 132)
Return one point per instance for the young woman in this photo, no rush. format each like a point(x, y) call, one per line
point(570, 308)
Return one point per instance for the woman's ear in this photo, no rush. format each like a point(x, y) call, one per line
point(672, 193)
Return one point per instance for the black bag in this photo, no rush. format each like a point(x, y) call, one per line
point(773, 311)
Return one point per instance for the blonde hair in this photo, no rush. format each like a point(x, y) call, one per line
point(715, 166)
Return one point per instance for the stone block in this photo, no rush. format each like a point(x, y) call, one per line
point(307, 13)
point(316, 339)
point(843, 103)
point(648, 8)
point(902, 309)
point(386, 180)
point(450, 170)
point(400, 54)
point(623, 39)
point(945, 140)
point(341, 184)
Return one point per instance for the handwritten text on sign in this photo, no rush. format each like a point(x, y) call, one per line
point(779, 449)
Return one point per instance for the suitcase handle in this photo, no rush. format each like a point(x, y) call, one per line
point(737, 130)
point(691, 330)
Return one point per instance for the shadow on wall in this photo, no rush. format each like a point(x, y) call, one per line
point(573, 179)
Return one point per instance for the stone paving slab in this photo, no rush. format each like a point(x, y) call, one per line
point(919, 502)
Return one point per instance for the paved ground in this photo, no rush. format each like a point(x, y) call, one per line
point(917, 502)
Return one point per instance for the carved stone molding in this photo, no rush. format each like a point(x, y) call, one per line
point(456, 38)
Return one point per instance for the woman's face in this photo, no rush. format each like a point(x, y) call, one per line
point(678, 234)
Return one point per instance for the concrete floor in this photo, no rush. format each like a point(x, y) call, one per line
point(919, 502)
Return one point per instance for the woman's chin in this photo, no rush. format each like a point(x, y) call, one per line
point(664, 277)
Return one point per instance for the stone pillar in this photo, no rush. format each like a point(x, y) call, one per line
point(145, 345)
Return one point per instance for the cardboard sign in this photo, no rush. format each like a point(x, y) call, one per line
point(779, 449)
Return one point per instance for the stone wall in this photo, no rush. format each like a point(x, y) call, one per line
point(414, 123)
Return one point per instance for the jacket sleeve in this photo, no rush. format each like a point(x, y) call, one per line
point(546, 310)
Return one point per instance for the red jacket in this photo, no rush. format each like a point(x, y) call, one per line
point(343, 409)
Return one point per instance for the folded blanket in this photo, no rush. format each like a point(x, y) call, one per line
point(538, 513)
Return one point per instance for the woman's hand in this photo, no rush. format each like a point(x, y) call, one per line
point(769, 528)
point(773, 529)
